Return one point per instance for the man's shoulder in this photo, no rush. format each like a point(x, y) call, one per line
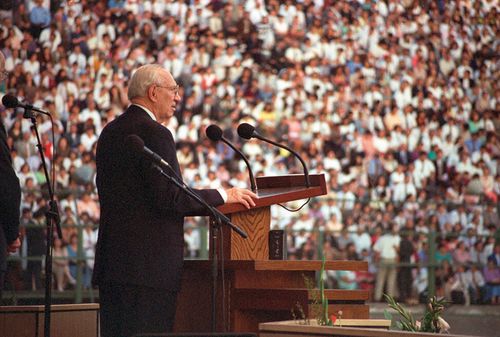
point(133, 113)
point(134, 120)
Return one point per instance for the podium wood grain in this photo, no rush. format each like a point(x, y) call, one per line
point(255, 247)
point(256, 222)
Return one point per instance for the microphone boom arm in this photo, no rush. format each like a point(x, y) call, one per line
point(253, 185)
point(306, 171)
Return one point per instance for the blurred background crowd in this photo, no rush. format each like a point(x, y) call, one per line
point(396, 102)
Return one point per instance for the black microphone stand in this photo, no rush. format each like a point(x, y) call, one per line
point(216, 220)
point(51, 217)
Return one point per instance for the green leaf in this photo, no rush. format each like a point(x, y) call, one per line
point(409, 327)
point(324, 300)
point(387, 315)
point(407, 321)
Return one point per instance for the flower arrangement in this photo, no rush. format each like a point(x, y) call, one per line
point(431, 322)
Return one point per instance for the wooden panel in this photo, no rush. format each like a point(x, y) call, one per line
point(361, 311)
point(261, 305)
point(285, 299)
point(311, 265)
point(18, 324)
point(342, 294)
point(271, 279)
point(194, 302)
point(267, 300)
point(255, 223)
point(277, 265)
point(76, 320)
point(70, 323)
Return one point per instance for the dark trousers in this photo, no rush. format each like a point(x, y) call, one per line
point(405, 281)
point(2, 283)
point(126, 310)
point(35, 272)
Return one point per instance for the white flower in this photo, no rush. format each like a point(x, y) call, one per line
point(418, 325)
point(443, 325)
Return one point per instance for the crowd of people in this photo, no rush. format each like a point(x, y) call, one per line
point(396, 102)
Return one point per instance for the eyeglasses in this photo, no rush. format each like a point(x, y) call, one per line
point(3, 75)
point(173, 88)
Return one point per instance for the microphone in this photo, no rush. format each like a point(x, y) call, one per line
point(214, 133)
point(137, 145)
point(247, 131)
point(11, 101)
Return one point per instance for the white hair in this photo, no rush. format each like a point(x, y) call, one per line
point(142, 78)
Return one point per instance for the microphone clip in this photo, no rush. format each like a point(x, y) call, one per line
point(29, 113)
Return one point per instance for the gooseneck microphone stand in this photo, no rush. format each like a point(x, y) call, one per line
point(51, 217)
point(217, 220)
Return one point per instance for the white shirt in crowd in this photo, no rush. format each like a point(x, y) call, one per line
point(387, 246)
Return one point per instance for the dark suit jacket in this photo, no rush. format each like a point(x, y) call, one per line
point(141, 237)
point(403, 157)
point(495, 258)
point(10, 199)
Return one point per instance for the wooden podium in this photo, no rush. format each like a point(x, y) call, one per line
point(253, 288)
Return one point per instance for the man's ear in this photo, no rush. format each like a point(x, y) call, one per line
point(152, 93)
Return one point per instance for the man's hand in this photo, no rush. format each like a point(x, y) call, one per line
point(14, 246)
point(242, 196)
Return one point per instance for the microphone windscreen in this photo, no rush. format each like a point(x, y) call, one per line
point(10, 101)
point(214, 133)
point(135, 143)
point(246, 130)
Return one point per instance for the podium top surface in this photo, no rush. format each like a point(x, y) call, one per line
point(278, 189)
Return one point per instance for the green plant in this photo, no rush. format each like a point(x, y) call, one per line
point(315, 305)
point(324, 319)
point(431, 322)
point(319, 304)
